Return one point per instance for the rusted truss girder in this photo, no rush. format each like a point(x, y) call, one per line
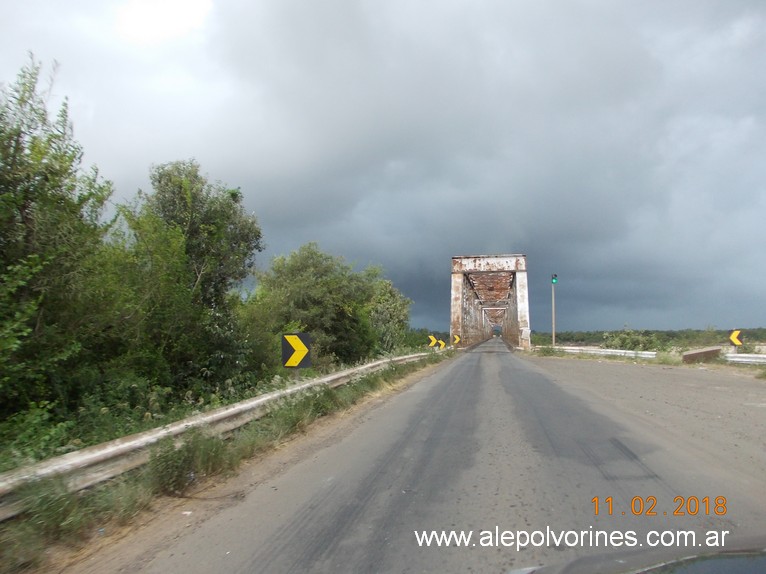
point(489, 292)
point(491, 286)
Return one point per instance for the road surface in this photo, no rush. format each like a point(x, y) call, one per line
point(498, 445)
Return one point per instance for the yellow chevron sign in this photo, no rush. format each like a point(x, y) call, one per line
point(295, 350)
point(457, 339)
point(434, 342)
point(734, 338)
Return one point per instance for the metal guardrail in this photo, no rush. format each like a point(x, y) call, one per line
point(746, 358)
point(98, 463)
point(608, 352)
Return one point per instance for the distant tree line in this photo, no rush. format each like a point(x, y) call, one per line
point(107, 325)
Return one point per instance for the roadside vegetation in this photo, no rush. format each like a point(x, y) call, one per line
point(56, 516)
point(652, 340)
point(669, 345)
point(113, 325)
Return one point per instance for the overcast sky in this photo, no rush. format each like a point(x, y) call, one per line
point(621, 145)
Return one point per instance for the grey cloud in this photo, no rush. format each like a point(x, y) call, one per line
point(617, 145)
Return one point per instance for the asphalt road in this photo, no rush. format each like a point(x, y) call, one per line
point(488, 442)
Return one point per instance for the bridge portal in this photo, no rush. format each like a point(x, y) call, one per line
point(490, 296)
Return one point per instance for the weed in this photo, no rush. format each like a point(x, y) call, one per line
point(667, 358)
point(172, 470)
point(346, 396)
point(22, 546)
point(53, 510)
point(250, 440)
point(55, 514)
point(548, 351)
point(747, 348)
point(291, 416)
point(123, 498)
point(325, 401)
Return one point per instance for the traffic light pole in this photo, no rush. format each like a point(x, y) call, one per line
point(553, 314)
point(554, 280)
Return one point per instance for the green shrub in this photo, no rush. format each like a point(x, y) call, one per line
point(746, 347)
point(547, 351)
point(33, 435)
point(631, 340)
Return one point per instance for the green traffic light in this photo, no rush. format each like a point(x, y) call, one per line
point(554, 278)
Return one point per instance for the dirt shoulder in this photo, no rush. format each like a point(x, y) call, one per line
point(718, 409)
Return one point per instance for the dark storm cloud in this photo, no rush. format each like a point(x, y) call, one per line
point(618, 145)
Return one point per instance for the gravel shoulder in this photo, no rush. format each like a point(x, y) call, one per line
point(718, 411)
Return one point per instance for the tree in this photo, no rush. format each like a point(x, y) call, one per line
point(349, 315)
point(101, 323)
point(138, 313)
point(49, 223)
point(321, 293)
point(221, 239)
point(220, 242)
point(390, 315)
point(47, 206)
